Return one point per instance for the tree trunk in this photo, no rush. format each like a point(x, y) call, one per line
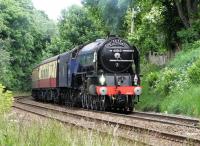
point(181, 14)
point(189, 9)
point(195, 6)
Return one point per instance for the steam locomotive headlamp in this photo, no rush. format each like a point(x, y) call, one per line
point(102, 80)
point(103, 90)
point(138, 90)
point(135, 80)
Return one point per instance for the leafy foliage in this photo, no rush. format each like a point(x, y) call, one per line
point(163, 25)
point(76, 27)
point(167, 81)
point(176, 89)
point(4, 66)
point(24, 33)
point(194, 72)
point(152, 78)
point(6, 100)
point(178, 74)
point(190, 34)
point(148, 34)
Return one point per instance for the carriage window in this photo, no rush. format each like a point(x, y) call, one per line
point(42, 73)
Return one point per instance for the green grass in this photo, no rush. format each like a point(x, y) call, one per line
point(183, 96)
point(148, 98)
point(149, 101)
point(21, 93)
point(186, 57)
point(186, 102)
point(52, 133)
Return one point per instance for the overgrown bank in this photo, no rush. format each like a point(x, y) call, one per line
point(175, 87)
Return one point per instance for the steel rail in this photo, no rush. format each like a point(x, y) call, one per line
point(152, 117)
point(165, 119)
point(71, 123)
point(165, 135)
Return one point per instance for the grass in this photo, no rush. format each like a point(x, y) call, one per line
point(148, 97)
point(184, 96)
point(187, 102)
point(51, 133)
point(149, 101)
point(21, 93)
point(187, 56)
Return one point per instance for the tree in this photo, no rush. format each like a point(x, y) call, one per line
point(187, 10)
point(111, 13)
point(4, 65)
point(181, 20)
point(24, 35)
point(76, 27)
point(148, 34)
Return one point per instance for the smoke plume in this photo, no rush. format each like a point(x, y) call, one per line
point(113, 12)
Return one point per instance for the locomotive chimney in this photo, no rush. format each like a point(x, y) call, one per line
point(111, 35)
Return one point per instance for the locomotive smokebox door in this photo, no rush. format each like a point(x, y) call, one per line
point(116, 55)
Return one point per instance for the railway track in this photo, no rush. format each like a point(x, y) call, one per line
point(168, 119)
point(161, 118)
point(121, 121)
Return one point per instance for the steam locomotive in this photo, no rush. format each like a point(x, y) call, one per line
point(102, 75)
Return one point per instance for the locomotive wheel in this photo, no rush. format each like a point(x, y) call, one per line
point(87, 102)
point(43, 96)
point(102, 103)
point(95, 103)
point(128, 110)
point(67, 100)
point(83, 100)
point(91, 103)
point(98, 100)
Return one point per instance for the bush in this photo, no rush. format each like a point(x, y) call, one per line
point(166, 81)
point(152, 78)
point(191, 34)
point(6, 100)
point(194, 72)
point(177, 86)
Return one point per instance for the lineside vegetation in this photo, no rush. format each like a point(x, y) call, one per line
point(174, 88)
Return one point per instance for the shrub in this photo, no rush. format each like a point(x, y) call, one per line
point(6, 100)
point(194, 72)
point(191, 34)
point(152, 78)
point(166, 81)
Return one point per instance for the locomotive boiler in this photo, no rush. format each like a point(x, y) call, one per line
point(102, 75)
